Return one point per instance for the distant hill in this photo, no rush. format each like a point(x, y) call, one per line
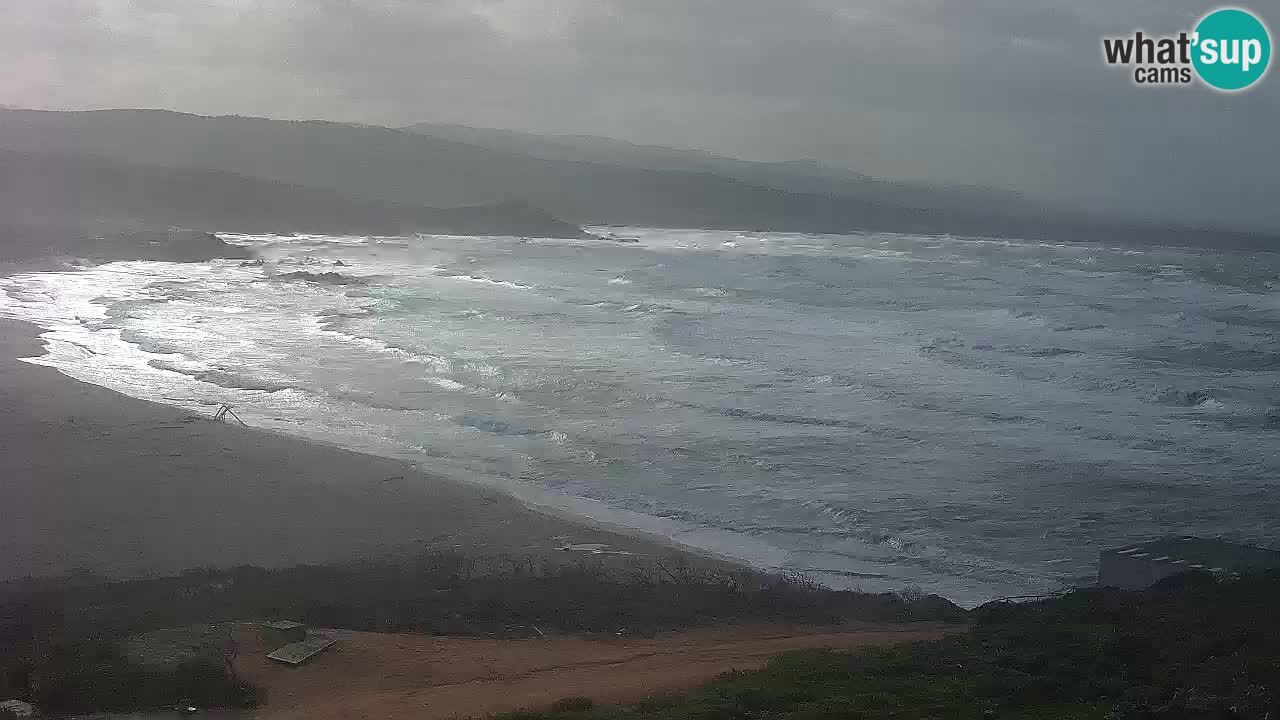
point(384, 165)
point(796, 176)
point(56, 190)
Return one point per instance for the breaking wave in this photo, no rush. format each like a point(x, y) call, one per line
point(976, 417)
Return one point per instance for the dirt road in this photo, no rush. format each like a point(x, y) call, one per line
point(369, 675)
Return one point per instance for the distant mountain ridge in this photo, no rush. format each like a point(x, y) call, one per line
point(43, 193)
point(798, 176)
point(398, 167)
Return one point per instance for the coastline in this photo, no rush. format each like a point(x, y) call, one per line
point(101, 482)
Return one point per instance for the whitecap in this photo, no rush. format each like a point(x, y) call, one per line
point(709, 292)
point(490, 281)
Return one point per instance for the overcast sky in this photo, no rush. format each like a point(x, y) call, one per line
point(1011, 93)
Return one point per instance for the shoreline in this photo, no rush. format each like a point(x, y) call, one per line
point(110, 484)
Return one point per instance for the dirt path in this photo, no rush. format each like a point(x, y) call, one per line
point(369, 675)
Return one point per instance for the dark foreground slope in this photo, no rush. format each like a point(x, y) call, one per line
point(1193, 648)
point(64, 203)
point(407, 168)
point(74, 637)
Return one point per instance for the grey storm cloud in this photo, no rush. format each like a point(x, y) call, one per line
point(1011, 93)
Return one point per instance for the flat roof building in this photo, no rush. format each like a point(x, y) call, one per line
point(1138, 566)
point(300, 652)
point(283, 632)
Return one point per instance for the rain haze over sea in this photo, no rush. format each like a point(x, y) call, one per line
point(972, 417)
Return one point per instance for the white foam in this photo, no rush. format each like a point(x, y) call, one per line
point(490, 281)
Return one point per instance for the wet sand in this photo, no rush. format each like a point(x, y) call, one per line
point(94, 480)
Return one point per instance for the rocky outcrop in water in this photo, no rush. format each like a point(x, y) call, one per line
point(105, 242)
point(324, 278)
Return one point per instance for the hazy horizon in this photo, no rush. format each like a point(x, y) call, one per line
point(1053, 204)
point(1005, 95)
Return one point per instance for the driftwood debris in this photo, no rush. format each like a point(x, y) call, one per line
point(223, 411)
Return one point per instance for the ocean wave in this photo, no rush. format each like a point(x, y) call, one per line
point(904, 305)
point(325, 323)
point(367, 399)
point(488, 281)
point(493, 425)
point(482, 369)
point(833, 512)
point(1006, 419)
point(779, 418)
point(630, 308)
point(1247, 316)
point(1266, 420)
point(222, 378)
point(1029, 350)
point(1187, 398)
point(1219, 356)
point(292, 239)
point(948, 347)
point(1006, 317)
point(567, 445)
point(709, 292)
point(441, 366)
point(1078, 327)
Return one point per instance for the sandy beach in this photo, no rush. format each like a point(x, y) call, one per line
point(96, 481)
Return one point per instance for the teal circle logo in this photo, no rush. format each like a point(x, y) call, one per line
point(1232, 49)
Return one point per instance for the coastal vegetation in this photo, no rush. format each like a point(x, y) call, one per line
point(64, 643)
point(1191, 647)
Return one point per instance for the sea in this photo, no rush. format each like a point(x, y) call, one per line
point(973, 417)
